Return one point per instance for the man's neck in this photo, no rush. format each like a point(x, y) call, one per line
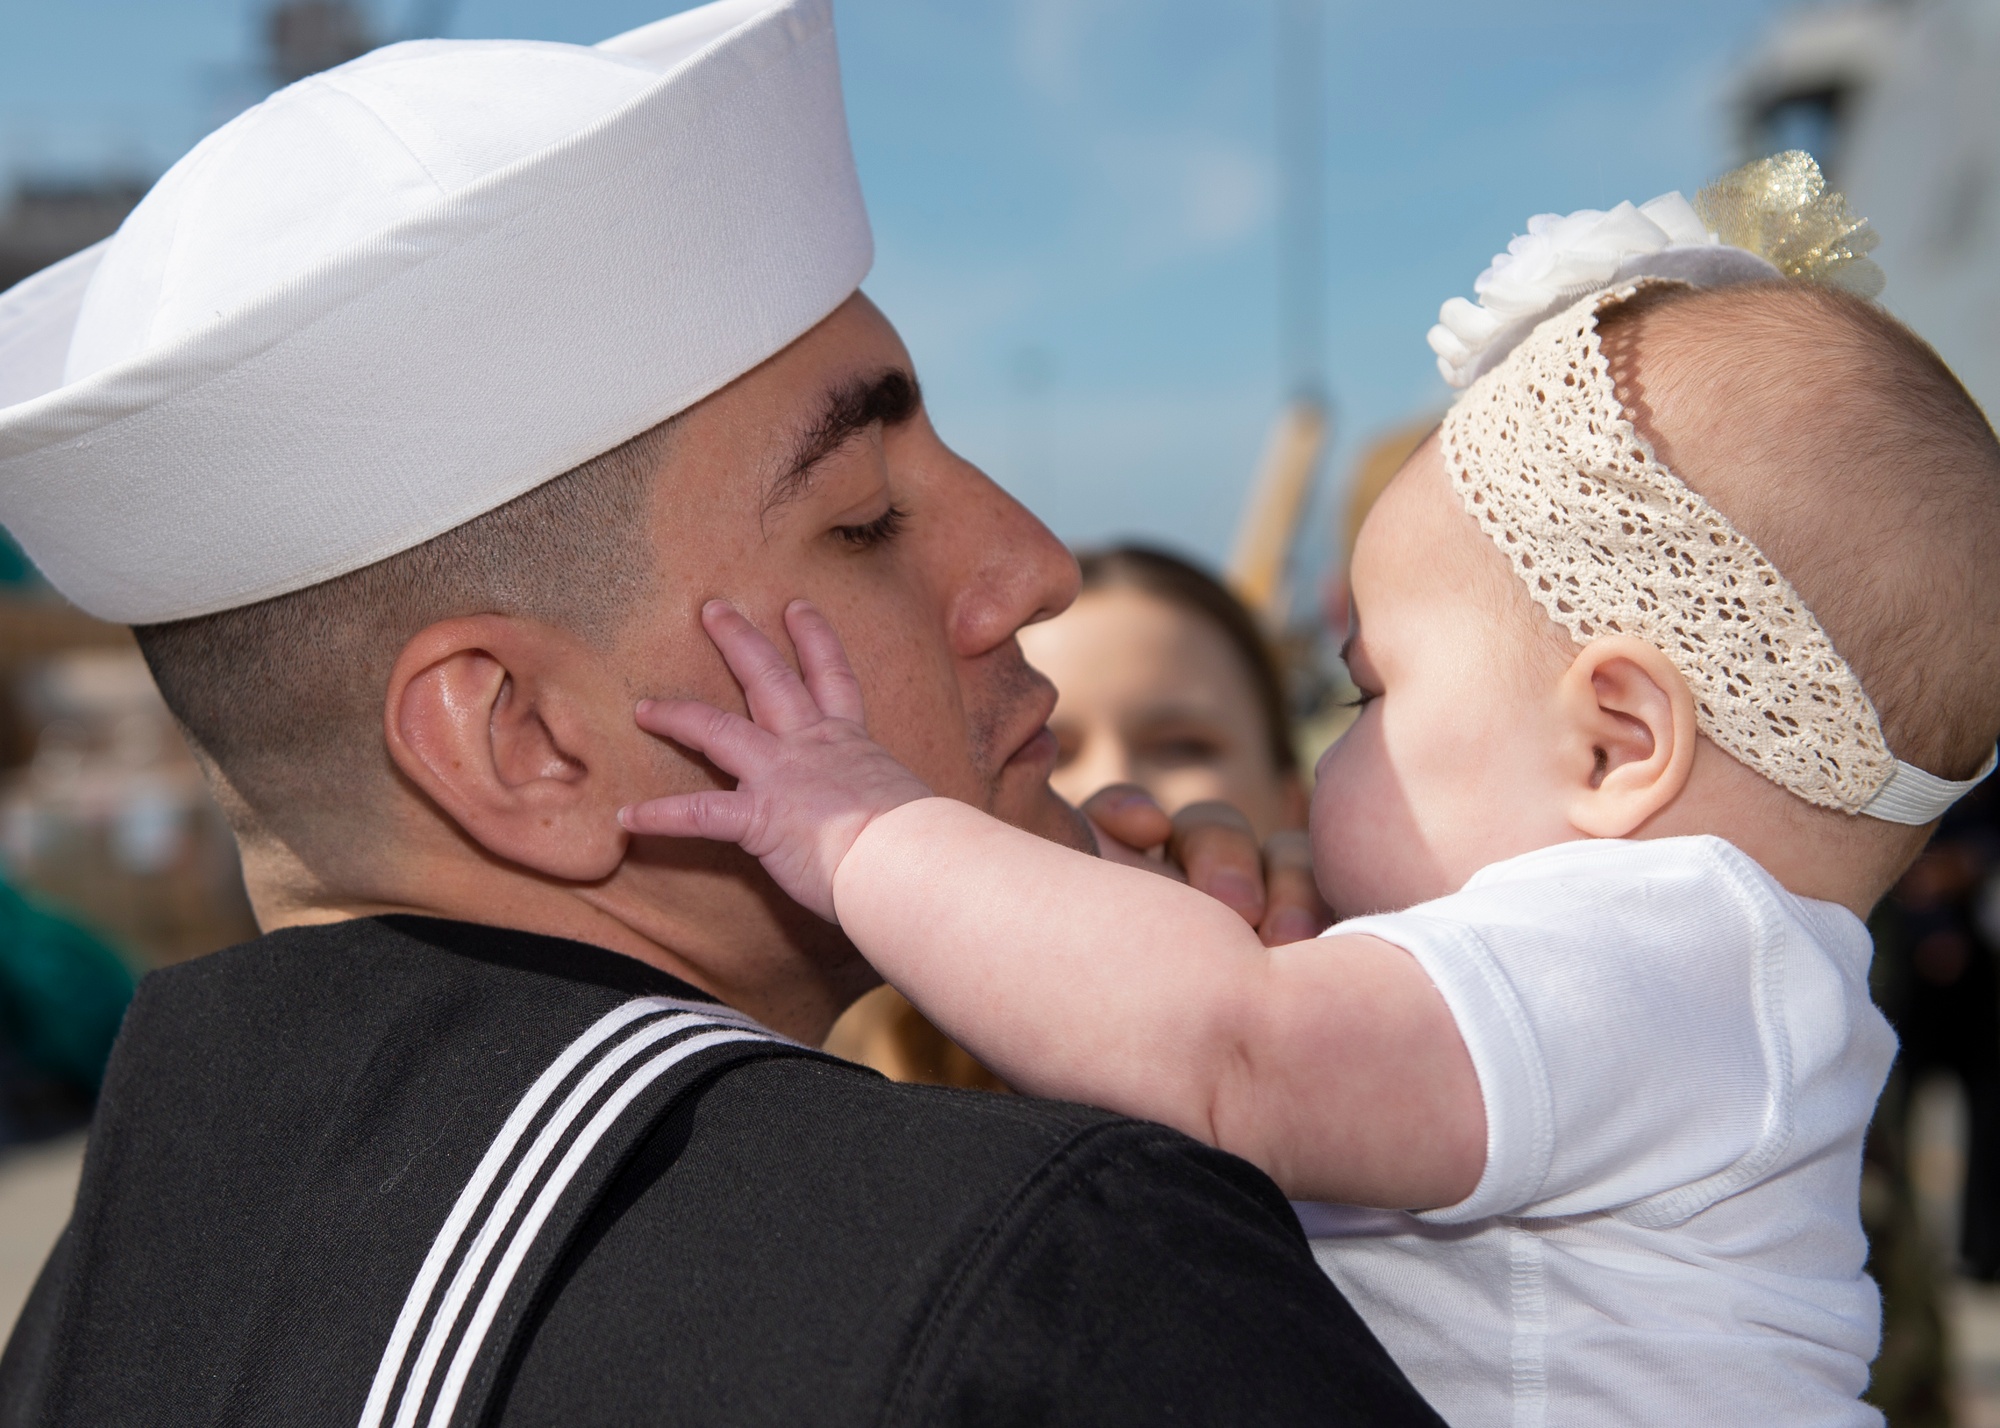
point(730, 936)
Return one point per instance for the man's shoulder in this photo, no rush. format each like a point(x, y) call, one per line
point(835, 1147)
point(884, 1118)
point(802, 1240)
point(806, 1143)
point(837, 1144)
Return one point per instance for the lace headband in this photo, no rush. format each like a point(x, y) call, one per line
point(1609, 541)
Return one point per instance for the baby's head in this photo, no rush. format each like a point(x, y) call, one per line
point(1825, 433)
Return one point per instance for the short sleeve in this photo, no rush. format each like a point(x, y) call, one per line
point(1149, 1280)
point(1620, 1004)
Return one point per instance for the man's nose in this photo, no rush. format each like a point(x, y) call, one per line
point(1015, 571)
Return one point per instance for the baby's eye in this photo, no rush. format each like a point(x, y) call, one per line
point(1361, 700)
point(880, 531)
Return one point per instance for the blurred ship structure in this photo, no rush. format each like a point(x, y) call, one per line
point(303, 37)
point(1898, 101)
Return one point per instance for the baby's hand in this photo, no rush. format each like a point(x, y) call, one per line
point(808, 777)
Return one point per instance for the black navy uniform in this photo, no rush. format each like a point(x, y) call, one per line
point(408, 1171)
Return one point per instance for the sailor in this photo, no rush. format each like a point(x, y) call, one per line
point(409, 420)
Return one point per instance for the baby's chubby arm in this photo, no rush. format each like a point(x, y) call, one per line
point(1332, 1064)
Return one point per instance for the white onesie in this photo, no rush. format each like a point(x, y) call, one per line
point(1678, 1059)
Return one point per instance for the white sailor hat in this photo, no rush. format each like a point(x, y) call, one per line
point(403, 292)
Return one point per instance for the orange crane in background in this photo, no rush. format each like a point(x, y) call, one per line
point(1274, 510)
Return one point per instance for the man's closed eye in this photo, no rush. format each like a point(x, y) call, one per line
point(880, 531)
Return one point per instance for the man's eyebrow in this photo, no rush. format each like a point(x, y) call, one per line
point(890, 397)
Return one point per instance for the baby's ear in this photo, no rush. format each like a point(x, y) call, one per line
point(1629, 735)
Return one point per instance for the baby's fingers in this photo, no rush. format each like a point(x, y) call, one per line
point(731, 742)
point(829, 676)
point(778, 700)
point(721, 814)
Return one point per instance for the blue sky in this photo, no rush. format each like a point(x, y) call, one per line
point(1075, 200)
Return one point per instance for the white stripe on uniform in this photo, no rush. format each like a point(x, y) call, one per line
point(504, 1145)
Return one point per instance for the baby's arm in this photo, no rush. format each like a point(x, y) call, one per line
point(1332, 1064)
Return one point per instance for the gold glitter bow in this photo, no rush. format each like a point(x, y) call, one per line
point(1781, 209)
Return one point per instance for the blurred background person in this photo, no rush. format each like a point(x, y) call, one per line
point(1165, 681)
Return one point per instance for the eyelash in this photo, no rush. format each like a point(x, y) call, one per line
point(880, 531)
point(1361, 700)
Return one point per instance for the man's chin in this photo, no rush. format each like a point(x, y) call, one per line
point(1036, 808)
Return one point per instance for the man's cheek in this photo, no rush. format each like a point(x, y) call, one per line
point(907, 691)
point(927, 735)
point(944, 766)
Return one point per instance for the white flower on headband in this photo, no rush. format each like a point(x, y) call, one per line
point(1561, 255)
point(1559, 259)
point(1775, 219)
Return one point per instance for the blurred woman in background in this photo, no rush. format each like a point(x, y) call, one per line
point(1166, 681)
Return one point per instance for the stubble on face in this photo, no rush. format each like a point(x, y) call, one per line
point(994, 727)
point(1012, 752)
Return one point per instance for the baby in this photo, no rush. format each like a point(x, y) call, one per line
point(1599, 1053)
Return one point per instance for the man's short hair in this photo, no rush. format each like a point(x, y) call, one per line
point(284, 697)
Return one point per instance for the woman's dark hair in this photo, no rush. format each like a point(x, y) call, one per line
point(1185, 584)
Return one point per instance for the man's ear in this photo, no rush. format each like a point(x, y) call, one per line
point(490, 717)
point(1629, 737)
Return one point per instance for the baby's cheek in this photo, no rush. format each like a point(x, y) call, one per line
point(1359, 825)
